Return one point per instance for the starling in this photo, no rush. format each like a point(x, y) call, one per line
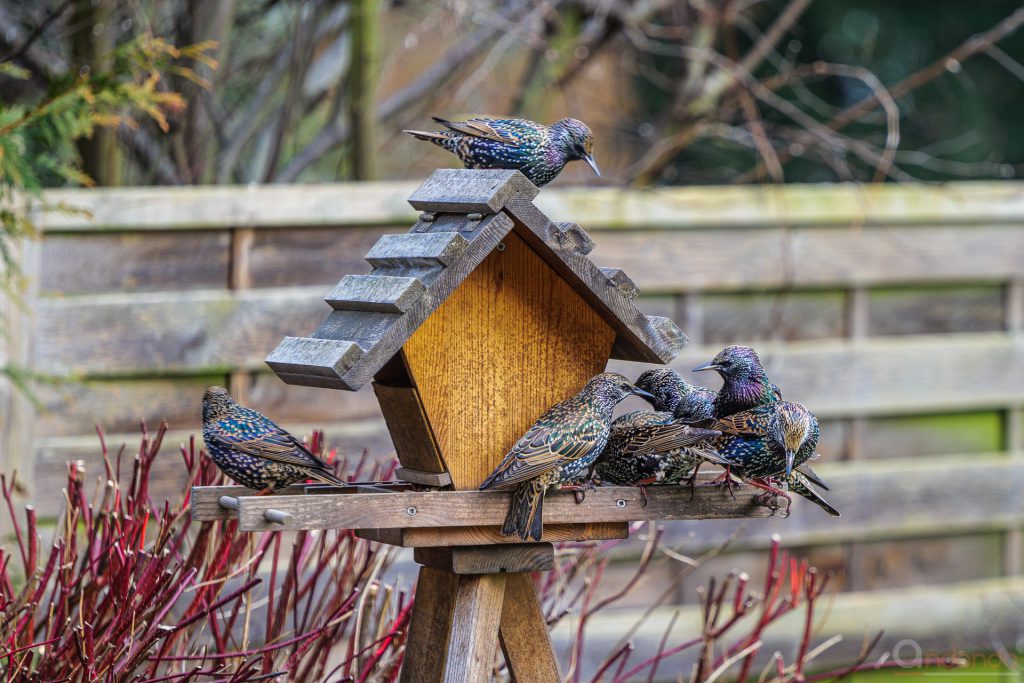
point(745, 384)
point(675, 395)
point(254, 451)
point(559, 447)
point(770, 442)
point(539, 151)
point(645, 447)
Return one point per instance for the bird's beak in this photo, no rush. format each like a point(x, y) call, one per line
point(790, 457)
point(707, 366)
point(646, 395)
point(589, 158)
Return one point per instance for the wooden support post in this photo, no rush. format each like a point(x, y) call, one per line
point(524, 634)
point(1013, 425)
point(430, 629)
point(474, 633)
point(240, 277)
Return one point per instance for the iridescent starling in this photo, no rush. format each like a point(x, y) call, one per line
point(675, 395)
point(645, 447)
point(539, 151)
point(559, 447)
point(745, 384)
point(254, 451)
point(770, 442)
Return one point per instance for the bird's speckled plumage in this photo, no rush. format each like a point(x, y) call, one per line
point(559, 447)
point(745, 384)
point(647, 447)
point(540, 152)
point(673, 394)
point(771, 441)
point(252, 450)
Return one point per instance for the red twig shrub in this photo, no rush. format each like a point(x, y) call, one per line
point(131, 590)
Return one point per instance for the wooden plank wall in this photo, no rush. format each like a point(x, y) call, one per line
point(896, 313)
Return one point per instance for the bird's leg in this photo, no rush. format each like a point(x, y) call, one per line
point(643, 495)
point(269, 491)
point(692, 479)
point(579, 490)
point(767, 498)
point(726, 480)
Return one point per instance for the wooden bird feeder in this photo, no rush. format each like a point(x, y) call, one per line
point(470, 326)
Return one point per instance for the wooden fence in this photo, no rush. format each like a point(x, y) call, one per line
point(896, 313)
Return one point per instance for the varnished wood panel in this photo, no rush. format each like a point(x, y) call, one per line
point(510, 342)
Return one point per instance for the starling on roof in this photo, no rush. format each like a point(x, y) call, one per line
point(540, 152)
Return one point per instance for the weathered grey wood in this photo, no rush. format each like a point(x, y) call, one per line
point(637, 340)
point(387, 293)
point(972, 616)
point(461, 191)
point(436, 537)
point(430, 627)
point(488, 508)
point(473, 642)
point(130, 262)
point(513, 557)
point(524, 633)
point(326, 358)
point(618, 279)
point(383, 203)
point(572, 236)
point(417, 250)
point(434, 479)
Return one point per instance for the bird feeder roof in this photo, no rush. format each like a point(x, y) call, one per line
point(467, 214)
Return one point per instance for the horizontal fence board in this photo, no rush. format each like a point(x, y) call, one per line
point(772, 257)
point(961, 618)
point(882, 500)
point(87, 264)
point(314, 256)
point(384, 203)
point(210, 331)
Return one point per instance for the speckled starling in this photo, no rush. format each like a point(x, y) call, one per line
point(559, 447)
point(539, 151)
point(745, 384)
point(254, 451)
point(770, 442)
point(646, 447)
point(673, 394)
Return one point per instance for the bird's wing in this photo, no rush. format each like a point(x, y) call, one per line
point(478, 128)
point(260, 437)
point(543, 448)
point(744, 423)
point(664, 438)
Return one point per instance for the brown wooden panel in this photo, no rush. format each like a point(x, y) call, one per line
point(430, 627)
point(85, 264)
point(930, 561)
point(524, 634)
point(310, 256)
point(75, 408)
point(410, 430)
point(781, 316)
point(512, 557)
point(394, 510)
point(433, 537)
point(936, 310)
point(473, 642)
point(511, 341)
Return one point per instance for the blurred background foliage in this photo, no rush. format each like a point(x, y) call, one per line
point(678, 92)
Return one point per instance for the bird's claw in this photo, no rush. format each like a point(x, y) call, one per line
point(579, 491)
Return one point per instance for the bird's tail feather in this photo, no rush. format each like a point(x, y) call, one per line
point(326, 477)
point(429, 136)
point(800, 486)
point(526, 512)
